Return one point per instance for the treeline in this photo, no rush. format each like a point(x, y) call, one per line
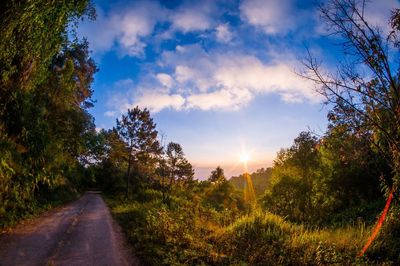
point(333, 179)
point(261, 180)
point(45, 91)
point(132, 158)
point(322, 180)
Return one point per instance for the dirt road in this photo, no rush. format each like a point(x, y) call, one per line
point(81, 233)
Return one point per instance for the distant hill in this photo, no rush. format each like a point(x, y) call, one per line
point(261, 179)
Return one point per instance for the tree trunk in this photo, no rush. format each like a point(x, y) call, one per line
point(128, 173)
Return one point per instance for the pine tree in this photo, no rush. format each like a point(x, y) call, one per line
point(139, 133)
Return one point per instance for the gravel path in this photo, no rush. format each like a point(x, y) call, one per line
point(81, 233)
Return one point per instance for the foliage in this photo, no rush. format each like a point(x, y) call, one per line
point(187, 233)
point(217, 176)
point(327, 188)
point(179, 169)
point(294, 178)
point(164, 236)
point(364, 92)
point(261, 180)
point(266, 239)
point(222, 196)
point(44, 95)
point(320, 198)
point(137, 130)
point(343, 175)
point(387, 244)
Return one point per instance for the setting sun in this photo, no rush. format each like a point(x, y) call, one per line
point(244, 157)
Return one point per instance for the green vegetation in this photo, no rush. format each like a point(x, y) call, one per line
point(190, 233)
point(317, 205)
point(44, 95)
point(261, 180)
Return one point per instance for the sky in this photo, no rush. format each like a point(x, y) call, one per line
point(219, 77)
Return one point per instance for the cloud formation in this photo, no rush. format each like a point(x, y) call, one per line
point(197, 17)
point(123, 28)
point(201, 55)
point(128, 28)
point(271, 16)
point(216, 81)
point(155, 101)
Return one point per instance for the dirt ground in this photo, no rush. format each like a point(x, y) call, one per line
point(80, 233)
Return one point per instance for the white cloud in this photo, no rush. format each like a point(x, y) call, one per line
point(124, 84)
point(190, 20)
point(133, 25)
point(225, 99)
point(91, 29)
point(123, 28)
point(272, 16)
point(184, 73)
point(276, 77)
point(223, 33)
point(156, 101)
point(165, 80)
point(193, 17)
point(216, 81)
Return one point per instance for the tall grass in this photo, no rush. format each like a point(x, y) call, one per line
point(184, 233)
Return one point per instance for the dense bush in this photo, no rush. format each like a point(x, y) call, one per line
point(162, 234)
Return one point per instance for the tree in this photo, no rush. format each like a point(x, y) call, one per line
point(112, 162)
point(220, 194)
point(32, 34)
point(217, 176)
point(365, 90)
point(139, 133)
point(43, 124)
point(294, 175)
point(180, 170)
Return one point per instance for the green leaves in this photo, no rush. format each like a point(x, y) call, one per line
point(44, 92)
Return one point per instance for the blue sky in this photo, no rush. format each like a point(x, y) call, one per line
point(218, 76)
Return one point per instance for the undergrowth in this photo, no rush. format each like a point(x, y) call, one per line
point(184, 233)
point(32, 208)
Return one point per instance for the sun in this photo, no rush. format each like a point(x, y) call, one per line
point(244, 157)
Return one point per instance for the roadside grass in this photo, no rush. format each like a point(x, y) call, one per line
point(184, 233)
point(267, 239)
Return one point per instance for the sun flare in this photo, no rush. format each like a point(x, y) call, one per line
point(244, 157)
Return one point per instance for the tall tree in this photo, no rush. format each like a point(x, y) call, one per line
point(139, 133)
point(365, 90)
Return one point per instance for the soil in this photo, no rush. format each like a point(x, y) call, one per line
point(80, 233)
